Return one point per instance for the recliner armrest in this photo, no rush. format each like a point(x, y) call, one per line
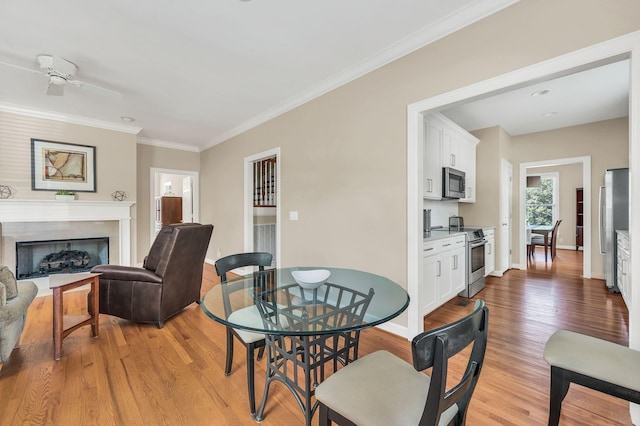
point(126, 273)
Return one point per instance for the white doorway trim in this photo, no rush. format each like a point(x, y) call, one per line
point(586, 184)
point(506, 214)
point(152, 195)
point(248, 199)
point(602, 53)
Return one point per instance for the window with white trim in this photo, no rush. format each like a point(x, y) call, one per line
point(542, 199)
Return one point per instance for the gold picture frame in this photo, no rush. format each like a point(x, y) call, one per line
point(63, 166)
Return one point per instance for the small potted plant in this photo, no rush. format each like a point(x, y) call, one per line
point(65, 195)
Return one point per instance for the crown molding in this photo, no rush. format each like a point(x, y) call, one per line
point(461, 18)
point(166, 144)
point(68, 118)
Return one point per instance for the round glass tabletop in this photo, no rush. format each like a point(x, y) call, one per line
point(271, 302)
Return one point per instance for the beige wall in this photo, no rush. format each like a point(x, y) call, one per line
point(492, 148)
point(344, 154)
point(115, 155)
point(150, 156)
point(606, 142)
point(115, 158)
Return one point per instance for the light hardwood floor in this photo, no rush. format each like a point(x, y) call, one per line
point(136, 374)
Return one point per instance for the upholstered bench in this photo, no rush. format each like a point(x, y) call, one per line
point(595, 363)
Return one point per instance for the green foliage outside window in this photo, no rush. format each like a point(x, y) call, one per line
point(540, 203)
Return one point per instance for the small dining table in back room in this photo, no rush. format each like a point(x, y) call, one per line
point(305, 329)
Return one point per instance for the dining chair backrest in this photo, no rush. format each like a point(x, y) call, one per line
point(554, 240)
point(434, 348)
point(240, 260)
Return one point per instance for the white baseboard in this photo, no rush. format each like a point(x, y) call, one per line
point(563, 247)
point(398, 330)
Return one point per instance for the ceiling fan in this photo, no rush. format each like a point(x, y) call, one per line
point(61, 73)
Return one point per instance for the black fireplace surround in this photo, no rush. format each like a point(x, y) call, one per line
point(42, 258)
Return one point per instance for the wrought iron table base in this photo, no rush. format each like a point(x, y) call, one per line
point(299, 363)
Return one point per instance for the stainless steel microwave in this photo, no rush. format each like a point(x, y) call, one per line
point(452, 183)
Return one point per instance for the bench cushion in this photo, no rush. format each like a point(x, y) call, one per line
point(594, 357)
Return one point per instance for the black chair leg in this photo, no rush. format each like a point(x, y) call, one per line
point(260, 352)
point(229, 361)
point(250, 379)
point(323, 416)
point(559, 389)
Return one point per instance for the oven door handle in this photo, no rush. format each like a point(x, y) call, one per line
point(475, 244)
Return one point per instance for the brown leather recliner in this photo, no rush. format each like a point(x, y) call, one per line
point(169, 280)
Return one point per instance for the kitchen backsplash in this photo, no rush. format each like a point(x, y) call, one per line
point(440, 211)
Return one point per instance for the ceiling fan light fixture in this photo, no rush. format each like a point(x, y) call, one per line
point(55, 65)
point(57, 80)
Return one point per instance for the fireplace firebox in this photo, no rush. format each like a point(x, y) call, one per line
point(42, 258)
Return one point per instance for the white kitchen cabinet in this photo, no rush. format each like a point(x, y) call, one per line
point(624, 279)
point(444, 272)
point(458, 270)
point(432, 185)
point(451, 148)
point(428, 295)
point(448, 145)
point(489, 251)
point(468, 165)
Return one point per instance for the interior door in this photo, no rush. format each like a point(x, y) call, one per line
point(187, 199)
point(506, 214)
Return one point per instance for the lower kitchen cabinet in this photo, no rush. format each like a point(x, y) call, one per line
point(443, 272)
point(624, 279)
point(489, 251)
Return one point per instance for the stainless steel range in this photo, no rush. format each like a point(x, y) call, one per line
point(475, 261)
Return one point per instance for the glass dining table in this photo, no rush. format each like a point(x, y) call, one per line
point(309, 333)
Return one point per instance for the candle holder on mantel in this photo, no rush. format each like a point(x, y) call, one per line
point(65, 195)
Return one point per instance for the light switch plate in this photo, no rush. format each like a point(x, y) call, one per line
point(293, 215)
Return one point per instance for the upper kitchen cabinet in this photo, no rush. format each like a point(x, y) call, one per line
point(448, 145)
point(432, 185)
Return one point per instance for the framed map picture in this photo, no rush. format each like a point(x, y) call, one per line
point(62, 166)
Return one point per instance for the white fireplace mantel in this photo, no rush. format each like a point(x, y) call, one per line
point(70, 211)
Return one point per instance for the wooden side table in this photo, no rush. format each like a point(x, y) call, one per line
point(60, 283)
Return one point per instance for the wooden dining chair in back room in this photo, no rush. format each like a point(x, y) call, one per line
point(538, 240)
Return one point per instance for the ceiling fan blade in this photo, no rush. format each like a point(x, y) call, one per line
point(55, 89)
point(20, 67)
point(99, 90)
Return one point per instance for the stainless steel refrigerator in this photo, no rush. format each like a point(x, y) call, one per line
point(614, 215)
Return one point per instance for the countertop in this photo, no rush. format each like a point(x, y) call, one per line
point(624, 232)
point(437, 234)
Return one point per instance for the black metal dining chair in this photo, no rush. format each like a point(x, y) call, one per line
point(381, 388)
point(251, 341)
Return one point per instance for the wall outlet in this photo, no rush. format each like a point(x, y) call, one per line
point(219, 254)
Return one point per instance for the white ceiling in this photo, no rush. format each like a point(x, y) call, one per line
point(195, 73)
point(596, 94)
